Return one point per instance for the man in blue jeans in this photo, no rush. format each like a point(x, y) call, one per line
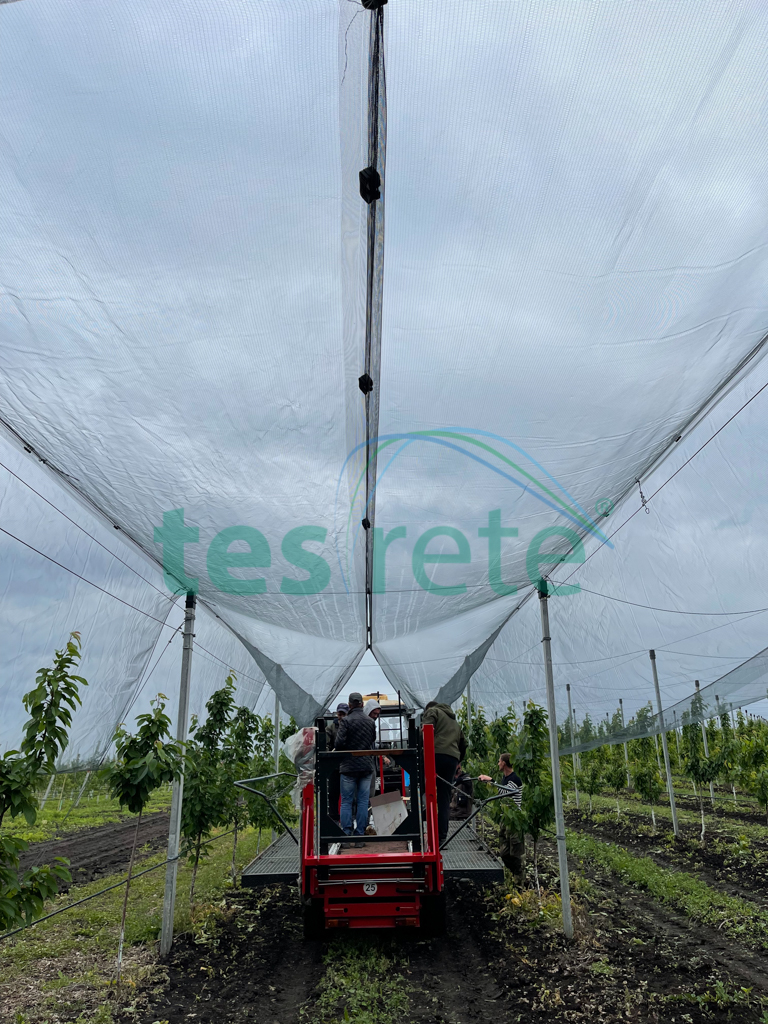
point(356, 732)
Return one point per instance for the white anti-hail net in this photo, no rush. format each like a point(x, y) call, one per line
point(573, 278)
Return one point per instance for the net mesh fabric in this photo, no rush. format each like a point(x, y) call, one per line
point(572, 279)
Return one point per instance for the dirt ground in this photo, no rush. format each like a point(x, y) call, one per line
point(631, 959)
point(105, 850)
point(630, 962)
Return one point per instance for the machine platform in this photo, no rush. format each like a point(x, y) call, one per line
point(279, 862)
point(466, 857)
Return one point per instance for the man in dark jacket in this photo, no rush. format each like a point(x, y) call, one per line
point(356, 732)
point(334, 781)
point(450, 747)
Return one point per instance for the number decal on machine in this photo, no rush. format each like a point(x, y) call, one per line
point(369, 888)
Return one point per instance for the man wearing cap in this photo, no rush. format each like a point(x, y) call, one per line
point(334, 782)
point(356, 731)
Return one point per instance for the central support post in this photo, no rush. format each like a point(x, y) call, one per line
point(706, 745)
point(174, 828)
point(626, 754)
point(573, 755)
point(665, 748)
point(554, 752)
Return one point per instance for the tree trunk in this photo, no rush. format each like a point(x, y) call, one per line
point(125, 898)
point(735, 802)
point(618, 809)
point(590, 803)
point(653, 817)
point(194, 868)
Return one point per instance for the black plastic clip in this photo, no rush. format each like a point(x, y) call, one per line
point(370, 185)
point(365, 383)
point(372, 5)
point(366, 523)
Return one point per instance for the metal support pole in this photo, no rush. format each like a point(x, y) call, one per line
point(48, 789)
point(670, 790)
point(174, 828)
point(469, 711)
point(277, 746)
point(82, 790)
point(677, 736)
point(626, 752)
point(554, 753)
point(573, 755)
point(706, 748)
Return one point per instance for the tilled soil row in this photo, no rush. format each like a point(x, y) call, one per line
point(253, 965)
point(100, 851)
point(747, 879)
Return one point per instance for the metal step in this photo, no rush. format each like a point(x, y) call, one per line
point(467, 856)
point(279, 862)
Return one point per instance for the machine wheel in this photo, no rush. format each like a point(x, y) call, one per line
point(433, 914)
point(314, 920)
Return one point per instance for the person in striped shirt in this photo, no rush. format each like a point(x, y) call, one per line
point(512, 845)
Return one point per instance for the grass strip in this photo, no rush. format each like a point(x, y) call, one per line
point(735, 917)
point(66, 963)
point(362, 983)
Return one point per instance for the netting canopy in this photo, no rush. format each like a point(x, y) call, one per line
point(367, 411)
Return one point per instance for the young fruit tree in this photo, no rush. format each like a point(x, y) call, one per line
point(50, 706)
point(592, 774)
point(206, 781)
point(701, 771)
point(143, 763)
point(616, 774)
point(237, 753)
point(649, 785)
point(532, 764)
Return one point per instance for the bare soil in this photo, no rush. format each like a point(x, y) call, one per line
point(104, 850)
point(629, 962)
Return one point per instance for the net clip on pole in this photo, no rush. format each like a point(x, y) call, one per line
point(643, 498)
point(370, 185)
point(373, 5)
point(365, 383)
point(366, 523)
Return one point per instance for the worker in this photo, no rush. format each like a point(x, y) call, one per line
point(511, 843)
point(450, 747)
point(334, 780)
point(372, 709)
point(356, 731)
point(462, 795)
point(342, 710)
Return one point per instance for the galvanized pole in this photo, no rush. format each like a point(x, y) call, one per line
point(469, 711)
point(677, 737)
point(277, 746)
point(670, 789)
point(277, 733)
point(626, 753)
point(706, 749)
point(554, 753)
point(174, 828)
point(573, 755)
